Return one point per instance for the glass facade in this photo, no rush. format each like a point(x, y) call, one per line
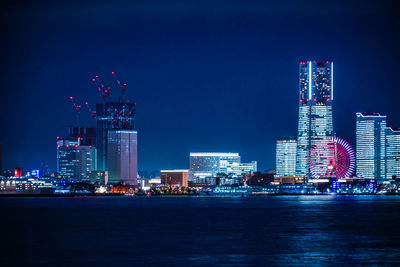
point(205, 165)
point(370, 147)
point(315, 109)
point(286, 157)
point(237, 169)
point(392, 153)
point(122, 156)
point(75, 160)
point(111, 116)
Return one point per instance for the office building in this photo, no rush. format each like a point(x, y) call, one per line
point(236, 170)
point(286, 156)
point(111, 116)
point(174, 178)
point(122, 156)
point(206, 165)
point(392, 150)
point(370, 146)
point(315, 109)
point(66, 157)
point(73, 159)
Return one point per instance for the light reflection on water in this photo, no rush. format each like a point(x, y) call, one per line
point(277, 230)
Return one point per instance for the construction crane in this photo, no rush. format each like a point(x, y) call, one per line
point(121, 85)
point(91, 111)
point(104, 91)
point(77, 109)
point(121, 112)
point(126, 115)
point(132, 110)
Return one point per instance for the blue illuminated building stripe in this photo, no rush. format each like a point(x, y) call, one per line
point(331, 80)
point(309, 81)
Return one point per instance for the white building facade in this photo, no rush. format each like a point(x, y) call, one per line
point(210, 164)
point(370, 146)
point(286, 157)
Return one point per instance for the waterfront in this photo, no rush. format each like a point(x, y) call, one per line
point(193, 230)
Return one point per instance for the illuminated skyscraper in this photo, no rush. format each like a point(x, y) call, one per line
point(73, 159)
point(370, 154)
point(392, 153)
point(122, 156)
point(111, 116)
point(286, 157)
point(315, 109)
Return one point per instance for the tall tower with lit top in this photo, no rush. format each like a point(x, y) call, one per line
point(315, 109)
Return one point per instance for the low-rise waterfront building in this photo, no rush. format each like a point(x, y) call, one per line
point(173, 178)
point(211, 164)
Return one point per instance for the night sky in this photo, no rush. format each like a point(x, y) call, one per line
point(206, 77)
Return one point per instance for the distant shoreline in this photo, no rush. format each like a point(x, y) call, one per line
point(182, 195)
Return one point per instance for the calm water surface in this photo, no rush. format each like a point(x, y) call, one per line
point(198, 231)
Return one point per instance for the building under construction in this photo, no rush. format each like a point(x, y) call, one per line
point(114, 137)
point(111, 116)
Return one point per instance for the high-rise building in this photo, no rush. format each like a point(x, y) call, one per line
point(73, 159)
point(86, 134)
point(286, 156)
point(315, 109)
point(392, 153)
point(122, 156)
point(370, 147)
point(111, 116)
point(174, 177)
point(206, 165)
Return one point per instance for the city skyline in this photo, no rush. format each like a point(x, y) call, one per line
point(200, 133)
point(317, 150)
point(201, 81)
point(303, 99)
point(310, 92)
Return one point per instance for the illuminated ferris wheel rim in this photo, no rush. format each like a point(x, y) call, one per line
point(343, 158)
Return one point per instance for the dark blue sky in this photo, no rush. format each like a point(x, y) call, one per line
point(205, 76)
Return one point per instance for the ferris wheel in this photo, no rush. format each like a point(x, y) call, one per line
point(331, 157)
